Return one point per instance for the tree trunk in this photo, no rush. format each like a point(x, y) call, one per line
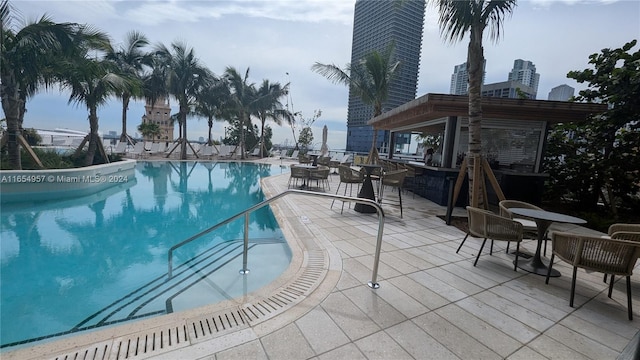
point(262, 140)
point(242, 123)
point(93, 137)
point(183, 121)
point(125, 106)
point(11, 106)
point(475, 60)
point(210, 141)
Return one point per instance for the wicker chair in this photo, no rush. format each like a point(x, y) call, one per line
point(623, 232)
point(321, 176)
point(348, 177)
point(297, 173)
point(529, 227)
point(627, 228)
point(395, 179)
point(609, 256)
point(487, 225)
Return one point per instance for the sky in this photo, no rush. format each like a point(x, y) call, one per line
point(280, 40)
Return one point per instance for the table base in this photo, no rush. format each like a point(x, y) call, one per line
point(364, 208)
point(535, 267)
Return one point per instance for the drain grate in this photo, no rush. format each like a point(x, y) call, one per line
point(154, 342)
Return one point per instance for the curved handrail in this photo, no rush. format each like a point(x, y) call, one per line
point(372, 284)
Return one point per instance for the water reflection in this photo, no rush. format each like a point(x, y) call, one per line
point(64, 260)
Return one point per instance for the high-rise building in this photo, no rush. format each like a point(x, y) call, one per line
point(525, 72)
point(159, 113)
point(460, 79)
point(508, 89)
point(562, 92)
point(376, 25)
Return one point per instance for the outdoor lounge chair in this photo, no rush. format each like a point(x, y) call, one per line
point(121, 148)
point(348, 177)
point(594, 253)
point(487, 225)
point(138, 149)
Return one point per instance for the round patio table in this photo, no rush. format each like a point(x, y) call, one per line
point(543, 219)
point(366, 191)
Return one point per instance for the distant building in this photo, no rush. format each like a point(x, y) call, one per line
point(508, 89)
point(159, 113)
point(376, 24)
point(562, 92)
point(525, 72)
point(460, 79)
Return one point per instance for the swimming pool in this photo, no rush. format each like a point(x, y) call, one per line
point(75, 264)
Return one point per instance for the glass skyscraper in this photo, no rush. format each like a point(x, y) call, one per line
point(376, 24)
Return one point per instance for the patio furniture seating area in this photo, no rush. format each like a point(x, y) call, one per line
point(529, 227)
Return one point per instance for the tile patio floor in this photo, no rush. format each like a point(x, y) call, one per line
point(432, 303)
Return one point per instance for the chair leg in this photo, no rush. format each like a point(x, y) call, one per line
point(338, 189)
point(610, 287)
point(480, 251)
point(553, 256)
point(491, 248)
point(462, 243)
point(629, 298)
point(515, 263)
point(400, 197)
point(573, 285)
point(507, 251)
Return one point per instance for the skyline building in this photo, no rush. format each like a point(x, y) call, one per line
point(524, 71)
point(460, 79)
point(159, 113)
point(562, 92)
point(376, 25)
point(512, 89)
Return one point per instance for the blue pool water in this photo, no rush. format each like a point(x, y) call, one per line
point(75, 264)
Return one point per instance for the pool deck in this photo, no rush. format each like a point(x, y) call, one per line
point(432, 302)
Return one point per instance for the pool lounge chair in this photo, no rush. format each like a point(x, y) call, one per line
point(138, 150)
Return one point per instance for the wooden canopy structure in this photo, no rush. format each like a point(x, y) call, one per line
point(416, 115)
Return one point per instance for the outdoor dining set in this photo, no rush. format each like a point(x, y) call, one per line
point(613, 255)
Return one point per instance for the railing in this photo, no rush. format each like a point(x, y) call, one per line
point(372, 284)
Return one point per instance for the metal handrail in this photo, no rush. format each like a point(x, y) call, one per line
point(372, 284)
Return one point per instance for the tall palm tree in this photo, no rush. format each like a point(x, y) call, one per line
point(130, 60)
point(242, 101)
point(29, 59)
point(92, 82)
point(185, 77)
point(457, 18)
point(212, 104)
point(369, 78)
point(267, 106)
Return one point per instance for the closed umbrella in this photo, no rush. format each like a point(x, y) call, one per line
point(324, 149)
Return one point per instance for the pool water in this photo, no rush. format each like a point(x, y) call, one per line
point(75, 264)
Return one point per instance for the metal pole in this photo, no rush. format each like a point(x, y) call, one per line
point(373, 283)
point(245, 250)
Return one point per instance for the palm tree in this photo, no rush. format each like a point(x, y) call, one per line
point(130, 60)
point(28, 60)
point(149, 130)
point(91, 82)
point(370, 79)
point(457, 18)
point(185, 77)
point(268, 106)
point(242, 101)
point(212, 104)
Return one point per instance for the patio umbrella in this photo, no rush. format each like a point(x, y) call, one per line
point(324, 149)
